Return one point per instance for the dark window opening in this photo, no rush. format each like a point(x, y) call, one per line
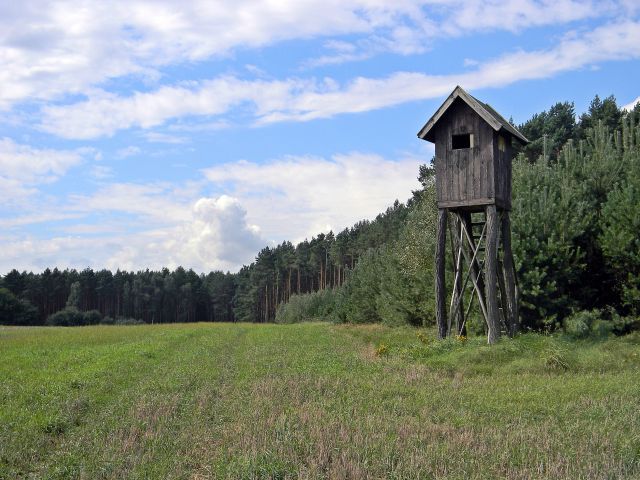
point(462, 141)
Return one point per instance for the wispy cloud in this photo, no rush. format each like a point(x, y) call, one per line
point(101, 172)
point(33, 165)
point(154, 202)
point(303, 100)
point(129, 151)
point(159, 137)
point(23, 167)
point(69, 47)
point(35, 218)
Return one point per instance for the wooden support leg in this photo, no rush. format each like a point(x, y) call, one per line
point(509, 276)
point(504, 303)
point(491, 277)
point(441, 238)
point(454, 268)
point(458, 289)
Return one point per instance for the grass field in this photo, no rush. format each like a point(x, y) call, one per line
point(313, 401)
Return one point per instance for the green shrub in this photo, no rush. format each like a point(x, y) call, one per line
point(92, 317)
point(578, 325)
point(15, 311)
point(555, 358)
point(68, 317)
point(623, 325)
point(72, 317)
point(590, 324)
point(318, 305)
point(128, 321)
point(601, 328)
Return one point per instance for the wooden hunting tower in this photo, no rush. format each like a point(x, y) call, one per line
point(473, 184)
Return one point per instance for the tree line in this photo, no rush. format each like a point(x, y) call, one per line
point(575, 230)
point(253, 294)
point(575, 201)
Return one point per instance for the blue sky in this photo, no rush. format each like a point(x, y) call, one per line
point(141, 134)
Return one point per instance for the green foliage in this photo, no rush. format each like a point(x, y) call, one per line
point(382, 350)
point(555, 358)
point(127, 321)
point(15, 311)
point(574, 223)
point(107, 320)
point(621, 222)
point(306, 307)
point(414, 253)
point(547, 220)
point(393, 284)
point(120, 321)
point(576, 194)
point(548, 132)
point(601, 328)
point(74, 296)
point(72, 317)
point(624, 325)
point(361, 291)
point(605, 112)
point(583, 324)
point(565, 225)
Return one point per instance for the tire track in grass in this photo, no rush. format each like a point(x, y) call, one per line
point(134, 431)
point(61, 384)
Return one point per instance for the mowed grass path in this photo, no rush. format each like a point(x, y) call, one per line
point(313, 401)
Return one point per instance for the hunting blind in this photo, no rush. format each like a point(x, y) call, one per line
point(473, 158)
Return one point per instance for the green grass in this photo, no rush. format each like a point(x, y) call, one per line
point(313, 401)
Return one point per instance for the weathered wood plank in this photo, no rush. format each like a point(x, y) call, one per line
point(490, 265)
point(440, 164)
point(458, 295)
point(464, 203)
point(509, 275)
point(440, 285)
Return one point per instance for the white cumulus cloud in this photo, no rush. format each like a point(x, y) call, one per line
point(297, 197)
point(213, 234)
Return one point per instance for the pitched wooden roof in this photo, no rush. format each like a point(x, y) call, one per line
point(486, 112)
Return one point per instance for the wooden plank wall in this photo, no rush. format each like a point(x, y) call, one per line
point(464, 175)
point(503, 171)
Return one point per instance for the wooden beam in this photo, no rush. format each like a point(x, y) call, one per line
point(470, 261)
point(459, 289)
point(476, 268)
point(456, 311)
point(441, 238)
point(491, 277)
point(509, 276)
point(474, 205)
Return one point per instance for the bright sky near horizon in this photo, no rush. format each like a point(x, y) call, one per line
point(141, 134)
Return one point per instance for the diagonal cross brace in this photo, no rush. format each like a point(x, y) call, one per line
point(470, 263)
